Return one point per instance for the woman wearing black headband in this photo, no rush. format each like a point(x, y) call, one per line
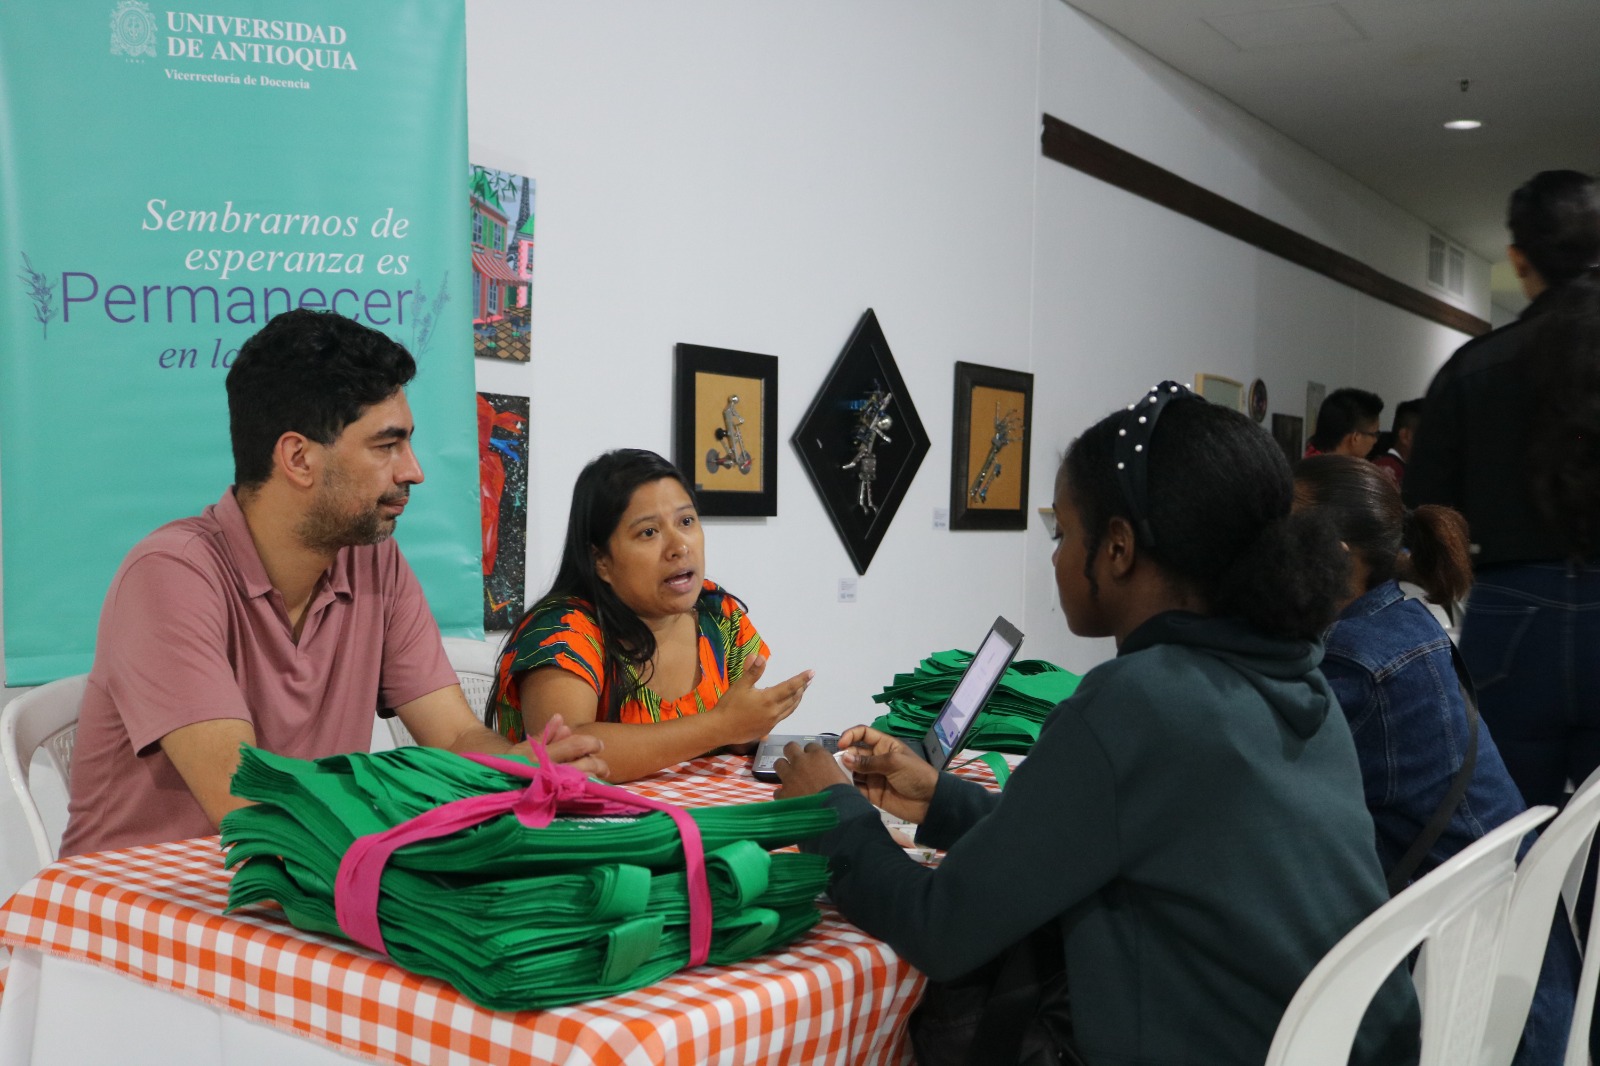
point(1189, 832)
point(1510, 437)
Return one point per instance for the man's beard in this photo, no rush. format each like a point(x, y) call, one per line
point(328, 525)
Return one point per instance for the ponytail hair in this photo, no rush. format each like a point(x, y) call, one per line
point(1428, 546)
point(1438, 553)
point(1220, 497)
point(1289, 581)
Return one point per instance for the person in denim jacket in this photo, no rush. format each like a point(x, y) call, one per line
point(1389, 663)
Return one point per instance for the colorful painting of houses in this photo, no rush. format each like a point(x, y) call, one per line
point(502, 263)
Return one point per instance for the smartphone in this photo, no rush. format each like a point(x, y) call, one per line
point(771, 750)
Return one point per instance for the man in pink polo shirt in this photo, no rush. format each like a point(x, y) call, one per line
point(283, 615)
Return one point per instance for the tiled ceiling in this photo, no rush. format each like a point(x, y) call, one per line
point(1368, 84)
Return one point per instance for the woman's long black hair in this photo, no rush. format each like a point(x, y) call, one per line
point(1220, 501)
point(601, 495)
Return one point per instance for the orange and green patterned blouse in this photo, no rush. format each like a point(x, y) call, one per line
point(567, 635)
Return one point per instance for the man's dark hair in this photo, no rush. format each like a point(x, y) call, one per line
point(1554, 220)
point(1407, 415)
point(310, 372)
point(1220, 498)
point(1342, 413)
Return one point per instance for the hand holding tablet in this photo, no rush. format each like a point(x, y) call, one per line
point(950, 729)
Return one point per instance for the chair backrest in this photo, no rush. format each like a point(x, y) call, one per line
point(399, 734)
point(1589, 978)
point(475, 666)
point(44, 717)
point(473, 661)
point(1557, 859)
point(1456, 913)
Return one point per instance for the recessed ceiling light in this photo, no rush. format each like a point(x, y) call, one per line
point(1463, 124)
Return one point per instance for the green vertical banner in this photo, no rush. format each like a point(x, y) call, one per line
point(169, 181)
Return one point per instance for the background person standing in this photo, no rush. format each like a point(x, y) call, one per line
point(1393, 450)
point(1347, 423)
point(1509, 437)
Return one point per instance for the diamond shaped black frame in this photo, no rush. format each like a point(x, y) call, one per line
point(825, 443)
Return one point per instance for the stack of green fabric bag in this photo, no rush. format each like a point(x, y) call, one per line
point(518, 918)
point(1009, 722)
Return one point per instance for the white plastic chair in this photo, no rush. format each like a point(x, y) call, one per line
point(1589, 977)
point(473, 661)
point(1456, 913)
point(1552, 868)
point(44, 717)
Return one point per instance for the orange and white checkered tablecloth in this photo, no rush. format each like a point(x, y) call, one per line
point(154, 914)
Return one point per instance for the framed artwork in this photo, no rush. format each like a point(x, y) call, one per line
point(1316, 392)
point(503, 503)
point(861, 441)
point(1286, 430)
point(1225, 392)
point(992, 439)
point(1258, 400)
point(502, 263)
point(725, 428)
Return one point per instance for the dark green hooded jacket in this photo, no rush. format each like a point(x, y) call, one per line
point(1194, 816)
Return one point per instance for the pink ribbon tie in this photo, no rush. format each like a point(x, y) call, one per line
point(551, 789)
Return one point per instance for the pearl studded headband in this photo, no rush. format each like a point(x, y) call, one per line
point(1133, 453)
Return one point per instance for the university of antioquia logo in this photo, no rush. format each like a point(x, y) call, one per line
point(133, 29)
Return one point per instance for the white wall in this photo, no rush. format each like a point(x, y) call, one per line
point(1127, 293)
point(755, 176)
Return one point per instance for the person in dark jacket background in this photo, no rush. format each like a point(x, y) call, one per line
point(1191, 819)
point(1509, 437)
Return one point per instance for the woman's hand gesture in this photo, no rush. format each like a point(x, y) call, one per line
point(746, 713)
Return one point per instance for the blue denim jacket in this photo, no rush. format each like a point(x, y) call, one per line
point(1389, 663)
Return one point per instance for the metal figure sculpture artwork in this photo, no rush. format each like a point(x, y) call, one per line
point(732, 438)
point(872, 425)
point(1006, 427)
